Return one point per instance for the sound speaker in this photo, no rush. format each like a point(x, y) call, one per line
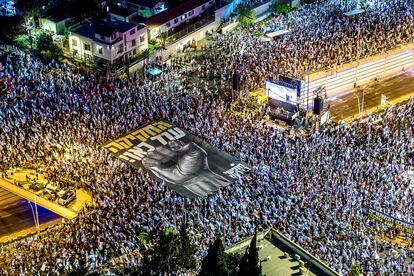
point(317, 105)
point(236, 82)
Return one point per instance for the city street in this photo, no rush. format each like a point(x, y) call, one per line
point(16, 216)
point(69, 212)
point(396, 89)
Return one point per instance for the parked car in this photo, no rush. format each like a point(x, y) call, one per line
point(52, 192)
point(49, 194)
point(37, 189)
point(67, 197)
point(29, 186)
point(53, 188)
point(41, 185)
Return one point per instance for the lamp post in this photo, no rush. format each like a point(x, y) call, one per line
point(35, 214)
point(361, 103)
point(28, 27)
point(307, 94)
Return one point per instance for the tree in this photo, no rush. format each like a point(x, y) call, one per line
point(43, 43)
point(355, 269)
point(281, 8)
point(169, 245)
point(22, 41)
point(214, 264)
point(10, 27)
point(246, 16)
point(186, 256)
point(173, 252)
point(161, 260)
point(233, 261)
point(253, 258)
point(244, 265)
point(250, 264)
point(29, 8)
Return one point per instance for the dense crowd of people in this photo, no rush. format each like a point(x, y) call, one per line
point(312, 189)
point(320, 37)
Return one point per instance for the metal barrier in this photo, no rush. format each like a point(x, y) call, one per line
point(351, 75)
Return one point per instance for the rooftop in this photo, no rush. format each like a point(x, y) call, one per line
point(105, 28)
point(138, 19)
point(277, 263)
point(56, 15)
point(123, 11)
point(280, 256)
point(147, 3)
point(174, 12)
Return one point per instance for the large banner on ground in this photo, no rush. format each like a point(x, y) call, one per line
point(185, 163)
point(388, 220)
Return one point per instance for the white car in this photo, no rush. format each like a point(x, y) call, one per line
point(67, 197)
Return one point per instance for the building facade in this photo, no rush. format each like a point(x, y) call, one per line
point(112, 41)
point(172, 18)
point(56, 26)
point(144, 8)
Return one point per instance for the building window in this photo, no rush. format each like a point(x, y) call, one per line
point(120, 48)
point(191, 13)
point(183, 17)
point(133, 42)
point(87, 46)
point(134, 52)
point(204, 7)
point(176, 21)
point(74, 42)
point(100, 50)
point(168, 24)
point(113, 36)
point(142, 38)
point(131, 32)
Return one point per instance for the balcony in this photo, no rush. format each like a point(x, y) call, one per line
point(190, 26)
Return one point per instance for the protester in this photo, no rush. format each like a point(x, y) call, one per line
point(311, 189)
point(320, 37)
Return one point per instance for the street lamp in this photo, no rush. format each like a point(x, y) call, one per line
point(35, 215)
point(28, 28)
point(361, 103)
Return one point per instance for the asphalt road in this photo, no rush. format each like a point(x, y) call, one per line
point(16, 214)
point(345, 106)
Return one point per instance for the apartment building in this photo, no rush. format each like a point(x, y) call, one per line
point(111, 40)
point(175, 16)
